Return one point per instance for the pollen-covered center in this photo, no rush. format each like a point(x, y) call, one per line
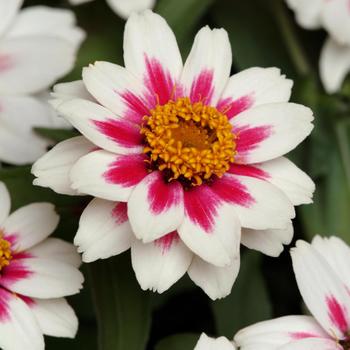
point(5, 253)
point(188, 141)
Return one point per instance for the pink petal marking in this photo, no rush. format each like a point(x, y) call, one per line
point(6, 62)
point(121, 132)
point(11, 238)
point(13, 273)
point(161, 195)
point(4, 305)
point(302, 335)
point(120, 213)
point(202, 88)
point(337, 314)
point(29, 301)
point(231, 108)
point(136, 107)
point(127, 170)
point(166, 242)
point(248, 170)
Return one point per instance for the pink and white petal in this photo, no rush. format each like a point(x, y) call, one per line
point(30, 225)
point(211, 229)
point(207, 343)
point(55, 317)
point(5, 203)
point(34, 63)
point(155, 207)
point(9, 10)
point(48, 21)
point(269, 242)
point(216, 281)
point(117, 89)
point(323, 292)
point(337, 254)
point(334, 64)
point(53, 168)
point(308, 13)
point(207, 68)
point(253, 87)
point(161, 263)
point(125, 8)
point(269, 131)
point(41, 278)
point(278, 332)
point(18, 326)
point(56, 249)
point(157, 66)
point(109, 176)
point(104, 230)
point(101, 126)
point(258, 204)
point(313, 344)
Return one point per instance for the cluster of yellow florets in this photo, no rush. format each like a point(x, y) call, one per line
point(5, 253)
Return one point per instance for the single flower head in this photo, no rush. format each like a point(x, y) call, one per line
point(207, 343)
point(36, 273)
point(180, 158)
point(322, 273)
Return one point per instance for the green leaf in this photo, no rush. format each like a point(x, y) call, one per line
point(56, 135)
point(185, 341)
point(122, 308)
point(248, 302)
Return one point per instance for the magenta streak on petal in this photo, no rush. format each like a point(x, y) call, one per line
point(302, 335)
point(202, 88)
point(6, 63)
point(4, 305)
point(163, 196)
point(120, 213)
point(13, 273)
point(29, 301)
point(166, 242)
point(230, 190)
point(248, 170)
point(11, 238)
point(231, 108)
point(337, 314)
point(127, 170)
point(136, 107)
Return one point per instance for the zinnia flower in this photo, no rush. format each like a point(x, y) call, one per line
point(180, 158)
point(37, 46)
point(323, 276)
point(334, 17)
point(36, 272)
point(207, 343)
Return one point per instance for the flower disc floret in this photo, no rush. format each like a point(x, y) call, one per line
point(5, 253)
point(189, 141)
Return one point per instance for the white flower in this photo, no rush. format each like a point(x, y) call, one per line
point(207, 343)
point(37, 46)
point(323, 276)
point(36, 273)
point(334, 17)
point(180, 157)
point(123, 8)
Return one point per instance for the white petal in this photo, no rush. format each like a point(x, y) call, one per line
point(5, 202)
point(30, 225)
point(207, 343)
point(53, 169)
point(55, 317)
point(208, 66)
point(313, 344)
point(216, 281)
point(155, 207)
point(159, 264)
point(323, 292)
point(269, 242)
point(78, 2)
point(104, 230)
point(18, 327)
point(269, 131)
point(8, 11)
point(56, 249)
point(307, 12)
point(279, 331)
point(125, 8)
point(334, 65)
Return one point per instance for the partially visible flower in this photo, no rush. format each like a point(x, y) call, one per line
point(38, 45)
point(36, 273)
point(323, 276)
point(180, 158)
point(123, 8)
point(334, 17)
point(207, 343)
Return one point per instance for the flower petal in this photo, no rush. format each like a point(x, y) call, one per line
point(269, 131)
point(9, 11)
point(207, 343)
point(308, 13)
point(53, 169)
point(159, 264)
point(107, 175)
point(30, 225)
point(313, 344)
point(253, 87)
point(155, 207)
point(125, 8)
point(210, 228)
point(208, 66)
point(104, 230)
point(5, 203)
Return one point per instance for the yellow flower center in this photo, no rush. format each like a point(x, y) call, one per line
point(5, 253)
point(191, 142)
